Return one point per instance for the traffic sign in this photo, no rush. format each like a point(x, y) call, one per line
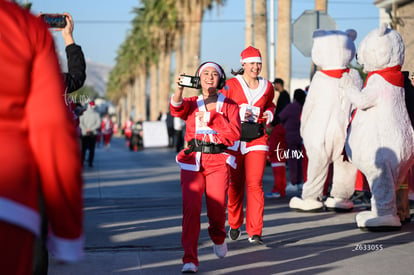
point(305, 25)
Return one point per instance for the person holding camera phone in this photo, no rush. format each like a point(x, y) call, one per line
point(76, 75)
point(212, 124)
point(254, 95)
point(74, 79)
point(35, 156)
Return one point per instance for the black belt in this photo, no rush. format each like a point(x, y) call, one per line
point(204, 147)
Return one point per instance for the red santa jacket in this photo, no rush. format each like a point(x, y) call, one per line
point(222, 126)
point(40, 147)
point(128, 127)
point(107, 126)
point(261, 98)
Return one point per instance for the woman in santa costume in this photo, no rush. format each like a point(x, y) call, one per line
point(35, 157)
point(107, 130)
point(212, 124)
point(254, 95)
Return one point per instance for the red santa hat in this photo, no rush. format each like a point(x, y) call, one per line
point(250, 55)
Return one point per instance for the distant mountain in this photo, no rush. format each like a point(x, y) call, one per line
point(97, 76)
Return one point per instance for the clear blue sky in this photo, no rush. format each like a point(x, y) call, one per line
point(101, 26)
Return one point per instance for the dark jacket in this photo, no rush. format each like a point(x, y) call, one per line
point(282, 102)
point(290, 119)
point(76, 75)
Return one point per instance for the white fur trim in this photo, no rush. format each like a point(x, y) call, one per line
point(20, 215)
point(231, 160)
point(210, 64)
point(253, 95)
point(235, 146)
point(278, 164)
point(68, 250)
point(253, 59)
point(188, 166)
point(244, 149)
point(176, 104)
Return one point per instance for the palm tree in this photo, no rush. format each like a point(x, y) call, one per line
point(260, 32)
point(160, 29)
point(249, 32)
point(283, 51)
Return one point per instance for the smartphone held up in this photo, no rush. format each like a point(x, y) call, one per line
point(190, 81)
point(54, 20)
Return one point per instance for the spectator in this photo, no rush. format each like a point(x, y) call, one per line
point(290, 118)
point(277, 143)
point(37, 156)
point(127, 130)
point(283, 98)
point(90, 123)
point(178, 133)
point(74, 79)
point(107, 130)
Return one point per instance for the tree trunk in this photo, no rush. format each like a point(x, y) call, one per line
point(260, 33)
point(130, 97)
point(249, 38)
point(194, 42)
point(154, 92)
point(283, 51)
point(121, 110)
point(179, 42)
point(164, 92)
point(142, 105)
point(140, 97)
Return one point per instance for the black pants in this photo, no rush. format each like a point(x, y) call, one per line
point(88, 144)
point(179, 140)
point(40, 253)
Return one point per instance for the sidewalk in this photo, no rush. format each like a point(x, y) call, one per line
point(133, 226)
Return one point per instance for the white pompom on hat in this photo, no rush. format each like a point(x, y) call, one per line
point(250, 55)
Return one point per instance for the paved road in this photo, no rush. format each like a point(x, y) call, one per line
point(133, 226)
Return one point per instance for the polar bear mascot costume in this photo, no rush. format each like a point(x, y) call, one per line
point(324, 121)
point(380, 139)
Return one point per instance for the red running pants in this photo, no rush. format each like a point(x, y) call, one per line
point(249, 175)
point(213, 180)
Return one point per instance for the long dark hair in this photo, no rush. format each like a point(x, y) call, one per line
point(240, 71)
point(299, 95)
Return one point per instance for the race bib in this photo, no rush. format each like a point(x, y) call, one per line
point(249, 113)
point(201, 121)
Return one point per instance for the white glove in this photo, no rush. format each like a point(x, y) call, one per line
point(269, 117)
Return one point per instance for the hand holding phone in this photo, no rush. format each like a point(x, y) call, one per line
point(54, 20)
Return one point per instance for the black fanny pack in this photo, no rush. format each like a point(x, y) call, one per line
point(250, 131)
point(204, 147)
